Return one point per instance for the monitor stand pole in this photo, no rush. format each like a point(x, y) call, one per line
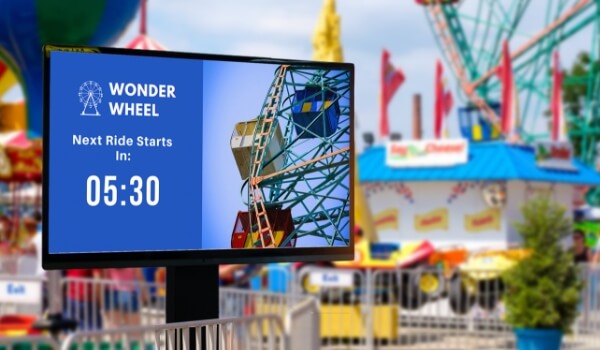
point(192, 295)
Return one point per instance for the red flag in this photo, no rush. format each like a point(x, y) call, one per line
point(509, 108)
point(391, 79)
point(438, 107)
point(443, 102)
point(559, 132)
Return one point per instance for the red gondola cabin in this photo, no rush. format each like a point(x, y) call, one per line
point(280, 220)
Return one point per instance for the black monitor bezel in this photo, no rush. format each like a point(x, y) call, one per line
point(192, 257)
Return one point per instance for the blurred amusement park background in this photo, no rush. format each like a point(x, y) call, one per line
point(512, 86)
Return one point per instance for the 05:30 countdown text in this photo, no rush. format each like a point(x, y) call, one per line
point(108, 191)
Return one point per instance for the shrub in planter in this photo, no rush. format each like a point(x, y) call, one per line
point(543, 289)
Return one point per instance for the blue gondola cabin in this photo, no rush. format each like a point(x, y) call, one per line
point(280, 220)
point(315, 112)
point(474, 127)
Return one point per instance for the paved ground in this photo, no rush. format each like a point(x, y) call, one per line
point(426, 339)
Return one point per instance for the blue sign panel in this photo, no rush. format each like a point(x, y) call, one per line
point(126, 152)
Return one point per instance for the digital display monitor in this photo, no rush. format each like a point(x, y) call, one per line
point(164, 159)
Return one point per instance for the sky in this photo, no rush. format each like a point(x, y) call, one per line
point(221, 87)
point(284, 29)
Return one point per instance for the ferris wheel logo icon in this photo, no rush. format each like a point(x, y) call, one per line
point(90, 95)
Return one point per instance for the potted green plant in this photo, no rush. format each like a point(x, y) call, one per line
point(543, 290)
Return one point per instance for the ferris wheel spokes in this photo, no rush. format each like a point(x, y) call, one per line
point(262, 137)
point(473, 57)
point(256, 180)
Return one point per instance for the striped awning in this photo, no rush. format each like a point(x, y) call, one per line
point(143, 42)
point(16, 139)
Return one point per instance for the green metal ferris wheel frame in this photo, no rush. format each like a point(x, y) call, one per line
point(470, 34)
point(316, 190)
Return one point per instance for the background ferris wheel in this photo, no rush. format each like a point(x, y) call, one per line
point(90, 95)
point(470, 35)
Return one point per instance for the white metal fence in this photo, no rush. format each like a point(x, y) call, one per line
point(260, 332)
point(18, 264)
point(346, 316)
point(97, 309)
point(264, 332)
point(359, 309)
point(587, 327)
point(248, 320)
point(101, 303)
point(300, 313)
point(421, 309)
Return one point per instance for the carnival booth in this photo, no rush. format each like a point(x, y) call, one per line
point(452, 192)
point(20, 179)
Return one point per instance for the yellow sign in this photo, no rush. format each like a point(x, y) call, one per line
point(277, 235)
point(488, 219)
point(48, 48)
point(434, 220)
point(387, 219)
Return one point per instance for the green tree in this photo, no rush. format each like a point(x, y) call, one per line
point(543, 290)
point(578, 80)
point(576, 83)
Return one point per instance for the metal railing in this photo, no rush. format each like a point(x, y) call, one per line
point(420, 308)
point(18, 264)
point(367, 309)
point(101, 303)
point(10, 263)
point(300, 313)
point(264, 332)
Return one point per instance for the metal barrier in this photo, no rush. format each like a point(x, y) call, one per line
point(422, 309)
point(466, 311)
point(21, 294)
point(93, 301)
point(302, 325)
point(264, 332)
point(587, 326)
point(18, 264)
point(8, 264)
point(100, 303)
point(404, 309)
point(300, 313)
point(33, 342)
point(234, 302)
point(463, 312)
point(346, 318)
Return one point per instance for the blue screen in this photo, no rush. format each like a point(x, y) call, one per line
point(155, 154)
